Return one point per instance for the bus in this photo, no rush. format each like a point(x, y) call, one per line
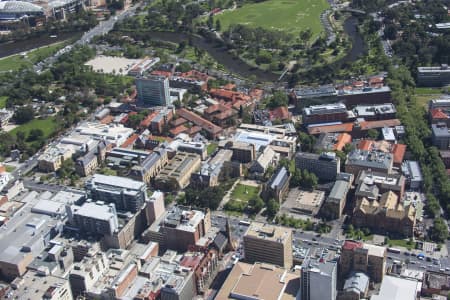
point(244, 223)
point(394, 250)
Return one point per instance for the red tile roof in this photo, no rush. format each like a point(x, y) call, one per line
point(398, 150)
point(346, 127)
point(229, 86)
point(161, 73)
point(280, 113)
point(365, 145)
point(342, 140)
point(106, 120)
point(437, 113)
point(190, 261)
point(199, 121)
point(194, 129)
point(351, 245)
point(179, 129)
point(148, 120)
point(130, 141)
point(379, 124)
point(178, 122)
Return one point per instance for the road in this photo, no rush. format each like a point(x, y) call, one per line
point(314, 243)
point(102, 28)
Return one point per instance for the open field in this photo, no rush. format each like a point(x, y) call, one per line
point(15, 62)
point(291, 16)
point(48, 126)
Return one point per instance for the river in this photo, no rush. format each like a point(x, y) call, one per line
point(11, 48)
point(219, 53)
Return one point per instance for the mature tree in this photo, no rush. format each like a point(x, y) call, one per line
point(218, 26)
point(296, 178)
point(35, 134)
point(373, 134)
point(278, 99)
point(272, 208)
point(23, 114)
point(256, 204)
point(439, 231)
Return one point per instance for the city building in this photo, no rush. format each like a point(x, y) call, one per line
point(440, 136)
point(153, 90)
point(268, 244)
point(301, 202)
point(332, 141)
point(372, 184)
point(333, 206)
point(356, 256)
point(123, 158)
point(356, 287)
point(35, 285)
point(179, 228)
point(443, 102)
point(151, 166)
point(16, 10)
point(411, 170)
point(211, 172)
point(325, 166)
point(204, 265)
point(53, 157)
point(326, 113)
point(268, 158)
point(259, 140)
point(115, 134)
point(243, 152)
point(385, 215)
point(88, 163)
point(177, 174)
point(318, 280)
point(398, 288)
point(360, 160)
point(212, 130)
point(383, 111)
point(278, 185)
point(126, 194)
point(273, 282)
point(96, 218)
point(435, 283)
point(445, 156)
point(194, 147)
point(433, 76)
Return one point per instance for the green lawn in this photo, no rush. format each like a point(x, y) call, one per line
point(291, 16)
point(15, 62)
point(427, 91)
point(211, 148)
point(3, 101)
point(244, 192)
point(48, 126)
point(9, 168)
point(402, 243)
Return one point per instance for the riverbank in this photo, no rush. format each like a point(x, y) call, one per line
point(28, 58)
point(11, 48)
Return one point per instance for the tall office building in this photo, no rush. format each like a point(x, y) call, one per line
point(318, 280)
point(153, 90)
point(268, 244)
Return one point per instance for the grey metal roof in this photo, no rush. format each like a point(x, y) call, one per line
point(280, 178)
point(358, 281)
point(19, 7)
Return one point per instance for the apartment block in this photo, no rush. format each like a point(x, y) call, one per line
point(268, 244)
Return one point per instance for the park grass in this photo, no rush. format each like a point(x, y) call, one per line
point(48, 127)
point(244, 192)
point(9, 168)
point(3, 101)
point(291, 16)
point(18, 61)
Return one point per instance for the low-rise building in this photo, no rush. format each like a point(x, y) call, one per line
point(413, 174)
point(243, 152)
point(333, 206)
point(433, 76)
point(179, 228)
point(274, 282)
point(213, 131)
point(35, 285)
point(95, 218)
point(211, 172)
point(371, 184)
point(360, 160)
point(325, 166)
point(375, 112)
point(278, 185)
point(385, 215)
point(325, 113)
point(356, 287)
point(398, 288)
point(266, 159)
point(303, 202)
point(177, 174)
point(440, 136)
point(151, 166)
point(435, 283)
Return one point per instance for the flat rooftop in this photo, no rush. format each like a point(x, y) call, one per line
point(263, 281)
point(303, 202)
point(268, 232)
point(396, 288)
